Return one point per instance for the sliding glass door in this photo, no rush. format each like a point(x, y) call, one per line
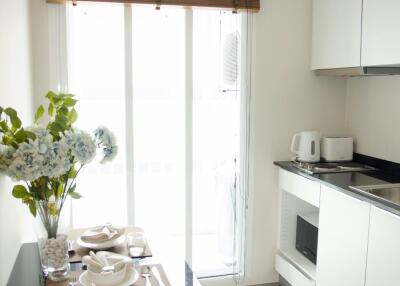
point(158, 40)
point(171, 82)
point(96, 76)
point(216, 140)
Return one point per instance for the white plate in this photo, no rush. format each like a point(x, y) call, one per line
point(104, 245)
point(130, 278)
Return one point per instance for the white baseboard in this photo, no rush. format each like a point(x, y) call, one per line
point(227, 281)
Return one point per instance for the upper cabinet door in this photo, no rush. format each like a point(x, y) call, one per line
point(336, 33)
point(383, 249)
point(381, 36)
point(342, 239)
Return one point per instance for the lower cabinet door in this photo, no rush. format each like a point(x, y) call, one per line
point(342, 239)
point(383, 264)
point(292, 275)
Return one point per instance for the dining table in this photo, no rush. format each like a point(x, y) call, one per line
point(27, 271)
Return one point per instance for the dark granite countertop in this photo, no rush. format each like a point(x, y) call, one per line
point(26, 270)
point(342, 181)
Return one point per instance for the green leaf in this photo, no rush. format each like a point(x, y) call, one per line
point(72, 116)
point(15, 121)
point(50, 96)
point(55, 127)
point(72, 173)
point(75, 195)
point(48, 193)
point(72, 189)
point(21, 136)
point(69, 102)
point(1, 109)
point(32, 208)
point(57, 100)
point(39, 113)
point(20, 192)
point(59, 190)
point(72, 192)
point(63, 110)
point(50, 110)
point(61, 118)
point(30, 135)
point(67, 95)
point(7, 140)
point(61, 124)
point(3, 125)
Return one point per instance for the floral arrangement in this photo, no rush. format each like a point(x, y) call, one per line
point(48, 158)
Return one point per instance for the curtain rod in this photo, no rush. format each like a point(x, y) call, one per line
point(240, 5)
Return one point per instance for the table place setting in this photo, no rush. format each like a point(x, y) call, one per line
point(123, 272)
point(118, 266)
point(121, 265)
point(102, 237)
point(129, 241)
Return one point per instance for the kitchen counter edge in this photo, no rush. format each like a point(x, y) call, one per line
point(385, 205)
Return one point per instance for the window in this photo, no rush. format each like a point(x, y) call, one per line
point(185, 102)
point(96, 75)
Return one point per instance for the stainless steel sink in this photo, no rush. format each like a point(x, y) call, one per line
point(387, 192)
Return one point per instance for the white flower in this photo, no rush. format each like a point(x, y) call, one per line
point(109, 154)
point(57, 161)
point(104, 136)
point(81, 144)
point(43, 137)
point(27, 162)
point(105, 140)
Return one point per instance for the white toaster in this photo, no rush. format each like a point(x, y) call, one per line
point(335, 149)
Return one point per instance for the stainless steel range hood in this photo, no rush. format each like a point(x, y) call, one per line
point(359, 71)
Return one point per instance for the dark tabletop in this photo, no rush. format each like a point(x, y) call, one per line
point(342, 181)
point(26, 270)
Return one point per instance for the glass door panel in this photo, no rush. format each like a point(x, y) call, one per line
point(158, 126)
point(96, 76)
point(216, 140)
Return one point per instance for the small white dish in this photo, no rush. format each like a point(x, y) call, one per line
point(104, 245)
point(131, 276)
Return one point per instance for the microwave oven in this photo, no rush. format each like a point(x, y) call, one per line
point(307, 235)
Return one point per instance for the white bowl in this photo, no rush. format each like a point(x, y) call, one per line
point(107, 279)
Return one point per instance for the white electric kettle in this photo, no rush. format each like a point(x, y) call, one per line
point(306, 146)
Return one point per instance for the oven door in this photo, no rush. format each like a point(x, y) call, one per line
point(307, 239)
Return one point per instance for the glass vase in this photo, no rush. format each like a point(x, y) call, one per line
point(52, 241)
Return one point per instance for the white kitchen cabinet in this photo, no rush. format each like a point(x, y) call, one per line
point(298, 195)
point(291, 273)
point(381, 37)
point(336, 33)
point(303, 188)
point(342, 239)
point(383, 249)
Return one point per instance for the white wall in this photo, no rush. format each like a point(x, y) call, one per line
point(15, 91)
point(373, 116)
point(287, 98)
